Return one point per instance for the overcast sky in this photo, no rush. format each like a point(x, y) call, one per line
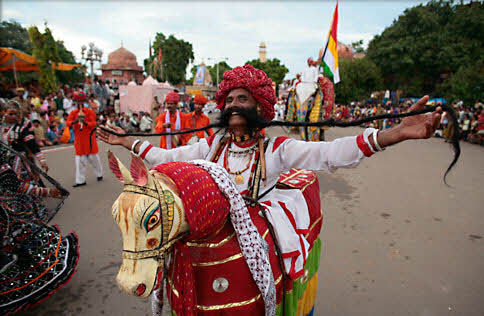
point(293, 31)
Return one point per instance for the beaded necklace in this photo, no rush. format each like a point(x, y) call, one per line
point(239, 179)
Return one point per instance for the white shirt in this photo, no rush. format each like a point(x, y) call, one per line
point(281, 155)
point(68, 105)
point(310, 74)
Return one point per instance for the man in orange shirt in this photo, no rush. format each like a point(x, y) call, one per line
point(197, 119)
point(83, 121)
point(171, 121)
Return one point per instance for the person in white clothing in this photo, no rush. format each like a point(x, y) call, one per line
point(310, 74)
point(67, 104)
point(246, 97)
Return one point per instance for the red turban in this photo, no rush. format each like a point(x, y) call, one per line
point(79, 96)
point(172, 97)
point(253, 80)
point(200, 99)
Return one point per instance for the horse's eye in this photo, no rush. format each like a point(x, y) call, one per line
point(153, 219)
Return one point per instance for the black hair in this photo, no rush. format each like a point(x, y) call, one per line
point(260, 124)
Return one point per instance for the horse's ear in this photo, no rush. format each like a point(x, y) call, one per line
point(118, 169)
point(138, 171)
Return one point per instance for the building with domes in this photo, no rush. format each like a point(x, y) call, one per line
point(122, 66)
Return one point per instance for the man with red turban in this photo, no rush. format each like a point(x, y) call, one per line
point(170, 121)
point(255, 162)
point(197, 119)
point(83, 121)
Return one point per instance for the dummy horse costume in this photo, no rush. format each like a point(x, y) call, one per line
point(186, 224)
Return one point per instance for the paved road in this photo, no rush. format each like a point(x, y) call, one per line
point(397, 241)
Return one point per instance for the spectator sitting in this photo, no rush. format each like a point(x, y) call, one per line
point(111, 119)
point(39, 134)
point(146, 122)
point(44, 120)
point(123, 121)
point(133, 123)
point(52, 135)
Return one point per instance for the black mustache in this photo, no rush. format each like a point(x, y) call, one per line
point(331, 123)
point(253, 118)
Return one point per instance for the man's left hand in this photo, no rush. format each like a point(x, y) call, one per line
point(413, 127)
point(420, 126)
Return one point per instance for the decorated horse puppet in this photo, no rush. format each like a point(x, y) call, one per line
point(185, 225)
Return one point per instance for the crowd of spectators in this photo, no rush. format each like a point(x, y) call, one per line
point(49, 113)
point(470, 118)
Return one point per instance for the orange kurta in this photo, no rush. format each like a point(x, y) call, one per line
point(81, 138)
point(195, 121)
point(183, 125)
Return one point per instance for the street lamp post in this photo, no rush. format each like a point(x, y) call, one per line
point(223, 58)
point(93, 54)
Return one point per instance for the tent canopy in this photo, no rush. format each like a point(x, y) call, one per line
point(14, 60)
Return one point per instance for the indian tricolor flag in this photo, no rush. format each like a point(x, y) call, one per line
point(330, 56)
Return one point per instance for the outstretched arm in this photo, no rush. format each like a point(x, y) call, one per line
point(413, 127)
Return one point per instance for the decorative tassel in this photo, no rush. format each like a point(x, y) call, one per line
point(262, 159)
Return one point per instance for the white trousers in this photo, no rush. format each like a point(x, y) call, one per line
point(81, 164)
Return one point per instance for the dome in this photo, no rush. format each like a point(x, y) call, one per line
point(150, 81)
point(122, 59)
point(262, 45)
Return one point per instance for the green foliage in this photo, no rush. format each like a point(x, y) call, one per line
point(467, 84)
point(45, 51)
point(177, 54)
point(358, 46)
point(13, 35)
point(358, 79)
point(222, 67)
point(427, 43)
point(68, 77)
point(272, 67)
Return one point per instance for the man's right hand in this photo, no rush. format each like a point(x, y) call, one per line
point(113, 139)
point(166, 125)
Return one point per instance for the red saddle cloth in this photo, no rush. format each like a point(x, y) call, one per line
point(223, 282)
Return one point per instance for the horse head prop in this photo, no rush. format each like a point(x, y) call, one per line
point(149, 213)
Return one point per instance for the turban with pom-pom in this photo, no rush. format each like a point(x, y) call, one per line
point(79, 96)
point(253, 80)
point(172, 97)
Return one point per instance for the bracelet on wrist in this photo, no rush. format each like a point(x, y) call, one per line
point(134, 146)
point(375, 141)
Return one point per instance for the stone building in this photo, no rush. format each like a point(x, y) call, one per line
point(345, 51)
point(123, 67)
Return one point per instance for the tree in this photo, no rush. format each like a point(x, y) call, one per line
point(222, 67)
point(68, 77)
point(358, 46)
point(45, 51)
point(427, 43)
point(177, 54)
point(467, 84)
point(272, 67)
point(358, 79)
point(13, 35)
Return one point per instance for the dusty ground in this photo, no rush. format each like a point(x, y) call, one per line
point(397, 241)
